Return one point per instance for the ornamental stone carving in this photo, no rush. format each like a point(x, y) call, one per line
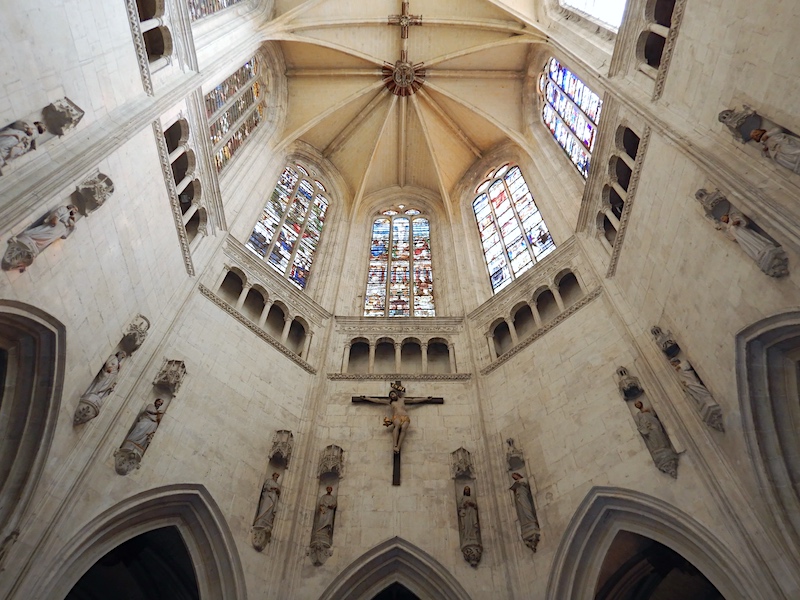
point(656, 439)
point(136, 334)
point(18, 138)
point(322, 532)
point(462, 464)
point(664, 340)
point(469, 527)
point(522, 496)
point(62, 116)
point(23, 248)
point(94, 192)
point(103, 385)
point(129, 455)
point(740, 122)
point(514, 456)
point(703, 401)
point(331, 461)
point(282, 444)
point(629, 385)
point(261, 532)
point(170, 376)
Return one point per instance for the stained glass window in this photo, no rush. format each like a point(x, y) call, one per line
point(571, 111)
point(400, 277)
point(513, 233)
point(203, 8)
point(608, 12)
point(288, 232)
point(234, 109)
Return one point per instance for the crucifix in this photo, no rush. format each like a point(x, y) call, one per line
point(403, 78)
point(399, 422)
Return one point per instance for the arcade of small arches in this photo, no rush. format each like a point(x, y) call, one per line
point(409, 355)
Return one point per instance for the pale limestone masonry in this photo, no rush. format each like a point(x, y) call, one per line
point(552, 389)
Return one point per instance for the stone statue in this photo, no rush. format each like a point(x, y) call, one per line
point(129, 455)
point(17, 139)
point(769, 257)
point(629, 385)
point(322, 535)
point(25, 247)
point(665, 342)
point(697, 391)
point(779, 146)
point(469, 528)
point(261, 532)
point(656, 440)
point(399, 422)
point(104, 383)
point(526, 511)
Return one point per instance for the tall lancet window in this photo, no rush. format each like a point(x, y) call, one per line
point(571, 111)
point(289, 230)
point(234, 109)
point(608, 12)
point(513, 232)
point(400, 278)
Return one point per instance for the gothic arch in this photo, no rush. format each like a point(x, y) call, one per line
point(34, 352)
point(188, 507)
point(767, 359)
point(395, 560)
point(605, 511)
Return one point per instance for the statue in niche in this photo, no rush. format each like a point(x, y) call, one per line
point(469, 528)
point(265, 519)
point(103, 385)
point(17, 139)
point(665, 342)
point(704, 401)
point(740, 122)
point(25, 247)
point(130, 453)
point(780, 146)
point(526, 511)
point(656, 440)
point(629, 385)
point(769, 257)
point(322, 535)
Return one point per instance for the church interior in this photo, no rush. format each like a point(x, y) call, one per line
point(452, 299)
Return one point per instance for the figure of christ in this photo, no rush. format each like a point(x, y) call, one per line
point(400, 421)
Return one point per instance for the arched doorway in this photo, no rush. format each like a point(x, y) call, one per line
point(395, 570)
point(606, 512)
point(155, 565)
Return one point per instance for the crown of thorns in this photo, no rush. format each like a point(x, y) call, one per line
point(397, 387)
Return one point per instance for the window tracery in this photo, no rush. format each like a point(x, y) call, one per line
point(608, 12)
point(400, 268)
point(513, 233)
point(288, 232)
point(235, 108)
point(571, 112)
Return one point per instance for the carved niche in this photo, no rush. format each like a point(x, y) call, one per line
point(170, 376)
point(264, 522)
point(330, 472)
point(93, 193)
point(629, 386)
point(522, 496)
point(466, 504)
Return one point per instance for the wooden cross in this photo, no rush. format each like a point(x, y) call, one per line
point(405, 21)
point(399, 422)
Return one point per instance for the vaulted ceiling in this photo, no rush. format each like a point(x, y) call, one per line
point(475, 57)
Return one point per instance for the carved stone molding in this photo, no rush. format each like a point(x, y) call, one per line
point(170, 376)
point(331, 461)
point(541, 331)
point(282, 444)
point(630, 196)
point(669, 48)
point(138, 44)
point(461, 461)
point(172, 192)
point(420, 327)
point(401, 376)
point(136, 334)
point(255, 328)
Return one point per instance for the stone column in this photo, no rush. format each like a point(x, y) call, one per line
point(628, 160)
point(512, 330)
point(372, 356)
point(151, 24)
point(492, 349)
point(177, 153)
point(189, 214)
point(398, 357)
point(265, 312)
point(185, 182)
point(612, 217)
point(424, 347)
point(537, 318)
point(559, 300)
point(159, 63)
point(287, 324)
point(306, 345)
point(243, 296)
point(619, 189)
point(659, 29)
point(346, 357)
point(451, 351)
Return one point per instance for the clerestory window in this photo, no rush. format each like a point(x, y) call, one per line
point(571, 112)
point(288, 232)
point(608, 12)
point(513, 233)
point(400, 278)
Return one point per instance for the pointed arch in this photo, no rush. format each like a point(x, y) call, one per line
point(767, 363)
point(605, 511)
point(33, 348)
point(188, 507)
point(395, 560)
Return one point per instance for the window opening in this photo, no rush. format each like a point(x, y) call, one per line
point(513, 232)
point(571, 112)
point(608, 12)
point(288, 232)
point(400, 277)
point(203, 8)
